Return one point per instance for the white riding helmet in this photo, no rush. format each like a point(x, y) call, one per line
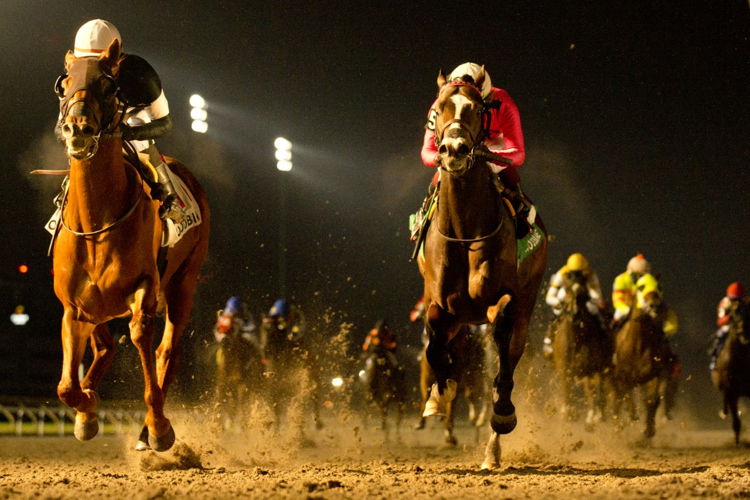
point(472, 69)
point(639, 265)
point(95, 36)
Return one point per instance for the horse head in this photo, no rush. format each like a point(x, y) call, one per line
point(737, 322)
point(88, 100)
point(576, 293)
point(458, 122)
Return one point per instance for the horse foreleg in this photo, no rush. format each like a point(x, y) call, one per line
point(160, 432)
point(84, 401)
point(450, 437)
point(651, 398)
point(492, 452)
point(510, 337)
point(731, 404)
point(425, 381)
point(104, 351)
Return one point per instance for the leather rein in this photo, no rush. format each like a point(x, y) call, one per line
point(476, 153)
point(107, 127)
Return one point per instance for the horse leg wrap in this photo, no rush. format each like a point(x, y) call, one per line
point(504, 413)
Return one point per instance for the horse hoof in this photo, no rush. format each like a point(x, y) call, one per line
point(503, 424)
point(162, 443)
point(85, 430)
point(489, 465)
point(419, 425)
point(142, 446)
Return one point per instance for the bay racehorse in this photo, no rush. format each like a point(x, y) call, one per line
point(732, 372)
point(581, 351)
point(468, 353)
point(472, 273)
point(642, 358)
point(105, 255)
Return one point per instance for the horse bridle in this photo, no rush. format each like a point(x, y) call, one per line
point(106, 127)
point(474, 154)
point(107, 124)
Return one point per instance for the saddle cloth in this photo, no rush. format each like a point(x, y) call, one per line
point(171, 232)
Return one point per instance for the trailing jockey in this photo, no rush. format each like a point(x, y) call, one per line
point(576, 267)
point(235, 322)
point(734, 305)
point(381, 337)
point(624, 289)
point(502, 135)
point(146, 111)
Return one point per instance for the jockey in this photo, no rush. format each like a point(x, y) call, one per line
point(286, 317)
point(648, 284)
point(235, 322)
point(503, 134)
point(381, 336)
point(576, 266)
point(624, 288)
point(146, 109)
point(734, 301)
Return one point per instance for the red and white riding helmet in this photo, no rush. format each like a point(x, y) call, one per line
point(94, 37)
point(639, 265)
point(473, 70)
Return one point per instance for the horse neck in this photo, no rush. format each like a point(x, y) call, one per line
point(98, 191)
point(467, 205)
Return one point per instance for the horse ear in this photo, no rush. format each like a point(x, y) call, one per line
point(110, 58)
point(69, 58)
point(441, 79)
point(480, 77)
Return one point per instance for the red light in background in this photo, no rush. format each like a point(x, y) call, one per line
point(23, 269)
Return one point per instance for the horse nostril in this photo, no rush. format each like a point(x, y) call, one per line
point(443, 149)
point(88, 130)
point(462, 150)
point(66, 129)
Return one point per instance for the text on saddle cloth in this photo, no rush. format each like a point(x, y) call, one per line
point(172, 232)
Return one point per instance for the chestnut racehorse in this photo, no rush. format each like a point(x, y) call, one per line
point(105, 256)
point(732, 373)
point(642, 358)
point(471, 270)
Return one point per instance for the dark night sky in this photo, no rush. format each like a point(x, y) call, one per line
point(636, 117)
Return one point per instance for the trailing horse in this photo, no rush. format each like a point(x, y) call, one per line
point(643, 358)
point(384, 384)
point(582, 351)
point(472, 268)
point(732, 373)
point(468, 353)
point(105, 255)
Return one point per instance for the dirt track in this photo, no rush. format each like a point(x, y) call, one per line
point(559, 461)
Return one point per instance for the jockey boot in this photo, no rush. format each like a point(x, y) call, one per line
point(171, 206)
point(525, 212)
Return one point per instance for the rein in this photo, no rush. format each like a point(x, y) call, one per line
point(471, 240)
point(115, 223)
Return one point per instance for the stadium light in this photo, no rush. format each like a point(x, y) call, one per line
point(198, 114)
point(283, 154)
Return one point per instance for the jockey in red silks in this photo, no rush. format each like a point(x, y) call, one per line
point(503, 134)
point(504, 137)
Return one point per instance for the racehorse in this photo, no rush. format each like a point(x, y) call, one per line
point(292, 371)
point(239, 375)
point(731, 375)
point(642, 358)
point(467, 350)
point(472, 273)
point(581, 350)
point(384, 384)
point(105, 255)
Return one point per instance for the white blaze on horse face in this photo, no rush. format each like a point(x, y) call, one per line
point(460, 103)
